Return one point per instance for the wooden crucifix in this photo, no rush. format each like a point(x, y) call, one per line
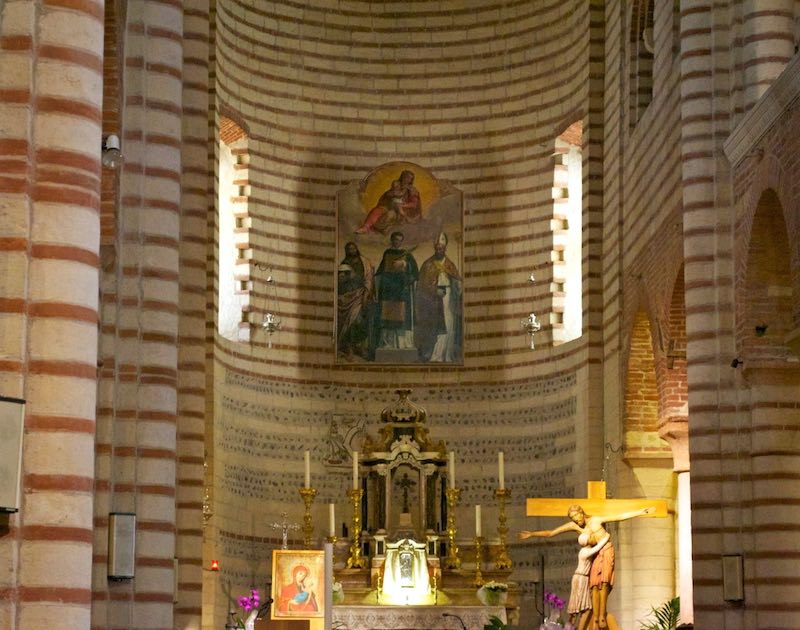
point(595, 571)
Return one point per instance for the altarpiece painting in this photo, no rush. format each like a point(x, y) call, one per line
point(399, 280)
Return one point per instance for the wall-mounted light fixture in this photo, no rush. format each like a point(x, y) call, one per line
point(531, 325)
point(736, 363)
point(112, 155)
point(271, 322)
point(761, 330)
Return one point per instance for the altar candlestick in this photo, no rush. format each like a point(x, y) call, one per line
point(355, 470)
point(501, 464)
point(478, 521)
point(331, 520)
point(307, 455)
point(452, 470)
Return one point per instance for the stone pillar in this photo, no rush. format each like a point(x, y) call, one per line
point(705, 71)
point(50, 142)
point(138, 445)
point(768, 38)
point(195, 186)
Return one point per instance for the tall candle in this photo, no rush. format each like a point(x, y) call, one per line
point(501, 464)
point(308, 468)
point(355, 470)
point(477, 521)
point(452, 470)
point(331, 520)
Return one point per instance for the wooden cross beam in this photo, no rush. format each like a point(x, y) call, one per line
point(596, 504)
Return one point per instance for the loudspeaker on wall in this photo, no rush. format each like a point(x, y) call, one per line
point(121, 545)
point(12, 419)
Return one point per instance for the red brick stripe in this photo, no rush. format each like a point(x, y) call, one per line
point(61, 595)
point(58, 534)
point(56, 105)
point(66, 252)
point(74, 56)
point(63, 311)
point(63, 368)
point(63, 483)
point(59, 423)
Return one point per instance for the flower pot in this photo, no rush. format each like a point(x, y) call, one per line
point(492, 597)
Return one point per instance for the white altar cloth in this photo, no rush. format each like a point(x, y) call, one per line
point(413, 617)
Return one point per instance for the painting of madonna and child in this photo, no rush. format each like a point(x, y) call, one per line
point(400, 282)
point(298, 584)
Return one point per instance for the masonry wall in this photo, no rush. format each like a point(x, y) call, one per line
point(477, 96)
point(642, 251)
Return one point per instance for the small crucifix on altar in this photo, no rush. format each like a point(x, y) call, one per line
point(406, 483)
point(595, 572)
point(285, 527)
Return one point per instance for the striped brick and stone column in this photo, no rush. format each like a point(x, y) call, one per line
point(192, 314)
point(50, 143)
point(138, 441)
point(707, 203)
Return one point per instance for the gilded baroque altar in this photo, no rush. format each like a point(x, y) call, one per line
point(410, 551)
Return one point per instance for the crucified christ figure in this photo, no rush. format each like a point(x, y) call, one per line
point(601, 572)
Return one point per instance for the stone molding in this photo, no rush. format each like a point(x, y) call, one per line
point(777, 100)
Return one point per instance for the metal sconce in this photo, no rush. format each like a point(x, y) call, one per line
point(112, 155)
point(531, 325)
point(271, 323)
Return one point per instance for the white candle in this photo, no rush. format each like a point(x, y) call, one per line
point(355, 470)
point(308, 468)
point(502, 470)
point(477, 521)
point(452, 470)
point(331, 521)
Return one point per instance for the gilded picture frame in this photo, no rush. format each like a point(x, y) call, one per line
point(298, 584)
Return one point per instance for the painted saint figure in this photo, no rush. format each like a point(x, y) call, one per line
point(355, 299)
point(438, 309)
point(298, 595)
point(601, 573)
point(396, 278)
point(401, 203)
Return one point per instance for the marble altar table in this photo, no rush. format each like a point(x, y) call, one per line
point(413, 617)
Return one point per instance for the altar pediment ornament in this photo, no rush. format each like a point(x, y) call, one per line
point(404, 421)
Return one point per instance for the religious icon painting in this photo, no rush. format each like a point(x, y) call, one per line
point(400, 269)
point(298, 584)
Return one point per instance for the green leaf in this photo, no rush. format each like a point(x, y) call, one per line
point(495, 623)
point(666, 616)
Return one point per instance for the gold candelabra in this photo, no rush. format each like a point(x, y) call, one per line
point(503, 561)
point(478, 555)
point(452, 561)
point(308, 495)
point(355, 561)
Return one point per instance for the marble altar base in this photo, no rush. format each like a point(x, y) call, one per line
point(413, 617)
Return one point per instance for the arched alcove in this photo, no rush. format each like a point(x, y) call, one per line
point(765, 295)
point(646, 472)
point(641, 391)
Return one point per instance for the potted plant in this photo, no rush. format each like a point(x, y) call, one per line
point(493, 593)
point(665, 616)
point(554, 605)
point(495, 623)
point(337, 595)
